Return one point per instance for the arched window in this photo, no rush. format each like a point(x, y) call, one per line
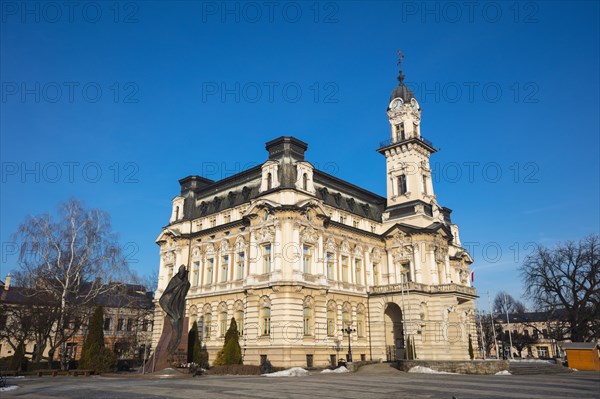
point(207, 323)
point(266, 321)
point(223, 323)
point(307, 315)
point(265, 315)
point(360, 320)
point(346, 315)
point(239, 318)
point(331, 311)
point(269, 181)
point(305, 181)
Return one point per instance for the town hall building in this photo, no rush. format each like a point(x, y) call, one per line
point(305, 261)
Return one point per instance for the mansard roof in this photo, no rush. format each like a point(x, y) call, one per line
point(244, 186)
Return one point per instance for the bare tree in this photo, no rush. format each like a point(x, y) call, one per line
point(69, 260)
point(505, 303)
point(566, 280)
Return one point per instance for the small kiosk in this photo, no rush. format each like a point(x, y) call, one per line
point(582, 355)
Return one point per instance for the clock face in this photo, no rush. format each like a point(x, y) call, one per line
point(414, 103)
point(396, 104)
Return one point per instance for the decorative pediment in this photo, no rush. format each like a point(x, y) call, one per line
point(330, 245)
point(347, 307)
point(376, 255)
point(331, 305)
point(238, 306)
point(309, 235)
point(360, 309)
point(240, 244)
point(308, 302)
point(210, 249)
point(264, 302)
point(358, 251)
point(345, 248)
point(265, 234)
point(196, 252)
point(222, 307)
point(224, 247)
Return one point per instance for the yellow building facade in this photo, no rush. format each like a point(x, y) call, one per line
point(306, 262)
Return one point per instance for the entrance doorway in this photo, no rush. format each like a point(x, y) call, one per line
point(394, 332)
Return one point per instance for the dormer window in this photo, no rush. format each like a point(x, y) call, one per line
point(305, 181)
point(176, 213)
point(269, 181)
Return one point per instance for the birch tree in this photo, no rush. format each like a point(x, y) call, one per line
point(69, 259)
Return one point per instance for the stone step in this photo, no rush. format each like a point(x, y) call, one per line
point(528, 369)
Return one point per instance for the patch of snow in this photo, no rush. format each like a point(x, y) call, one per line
point(574, 369)
point(9, 388)
point(427, 370)
point(503, 372)
point(340, 369)
point(293, 372)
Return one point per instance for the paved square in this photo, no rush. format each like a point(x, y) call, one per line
point(378, 383)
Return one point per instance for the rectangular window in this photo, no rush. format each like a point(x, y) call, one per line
point(372, 228)
point(424, 184)
point(145, 325)
point(227, 218)
point(210, 267)
point(402, 189)
point(196, 273)
point(306, 259)
point(329, 261)
point(406, 276)
point(542, 351)
point(355, 224)
point(240, 265)
point(107, 324)
point(225, 268)
point(129, 325)
point(400, 131)
point(120, 325)
point(267, 258)
point(213, 222)
point(375, 274)
point(266, 321)
point(345, 269)
point(358, 271)
point(342, 219)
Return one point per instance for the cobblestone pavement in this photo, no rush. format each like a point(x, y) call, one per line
point(375, 384)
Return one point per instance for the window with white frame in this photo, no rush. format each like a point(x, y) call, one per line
point(267, 258)
point(241, 259)
point(357, 271)
point(329, 265)
point(224, 268)
point(306, 258)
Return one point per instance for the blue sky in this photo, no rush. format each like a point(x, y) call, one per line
point(114, 102)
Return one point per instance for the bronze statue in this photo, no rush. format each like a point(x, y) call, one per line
point(172, 302)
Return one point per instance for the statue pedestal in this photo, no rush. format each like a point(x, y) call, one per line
point(161, 358)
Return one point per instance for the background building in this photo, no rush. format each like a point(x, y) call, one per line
point(297, 255)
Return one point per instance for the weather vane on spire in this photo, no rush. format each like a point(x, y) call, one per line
point(400, 74)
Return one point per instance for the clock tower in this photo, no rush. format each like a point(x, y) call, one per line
point(410, 196)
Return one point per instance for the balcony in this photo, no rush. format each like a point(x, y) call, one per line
point(389, 142)
point(428, 289)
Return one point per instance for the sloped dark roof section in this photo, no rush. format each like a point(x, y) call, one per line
point(113, 295)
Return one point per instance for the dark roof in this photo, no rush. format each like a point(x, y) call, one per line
point(403, 92)
point(580, 345)
point(126, 295)
point(533, 317)
point(244, 186)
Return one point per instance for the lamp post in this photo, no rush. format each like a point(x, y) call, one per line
point(349, 330)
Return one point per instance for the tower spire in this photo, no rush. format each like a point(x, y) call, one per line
point(400, 74)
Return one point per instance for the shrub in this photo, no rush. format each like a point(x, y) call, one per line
point(231, 353)
point(95, 355)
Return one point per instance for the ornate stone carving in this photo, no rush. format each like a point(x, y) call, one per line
point(376, 255)
point(345, 248)
point(265, 234)
point(308, 234)
point(264, 302)
point(222, 307)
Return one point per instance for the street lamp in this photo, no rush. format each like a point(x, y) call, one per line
point(349, 330)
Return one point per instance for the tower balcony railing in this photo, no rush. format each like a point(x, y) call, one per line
point(391, 141)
